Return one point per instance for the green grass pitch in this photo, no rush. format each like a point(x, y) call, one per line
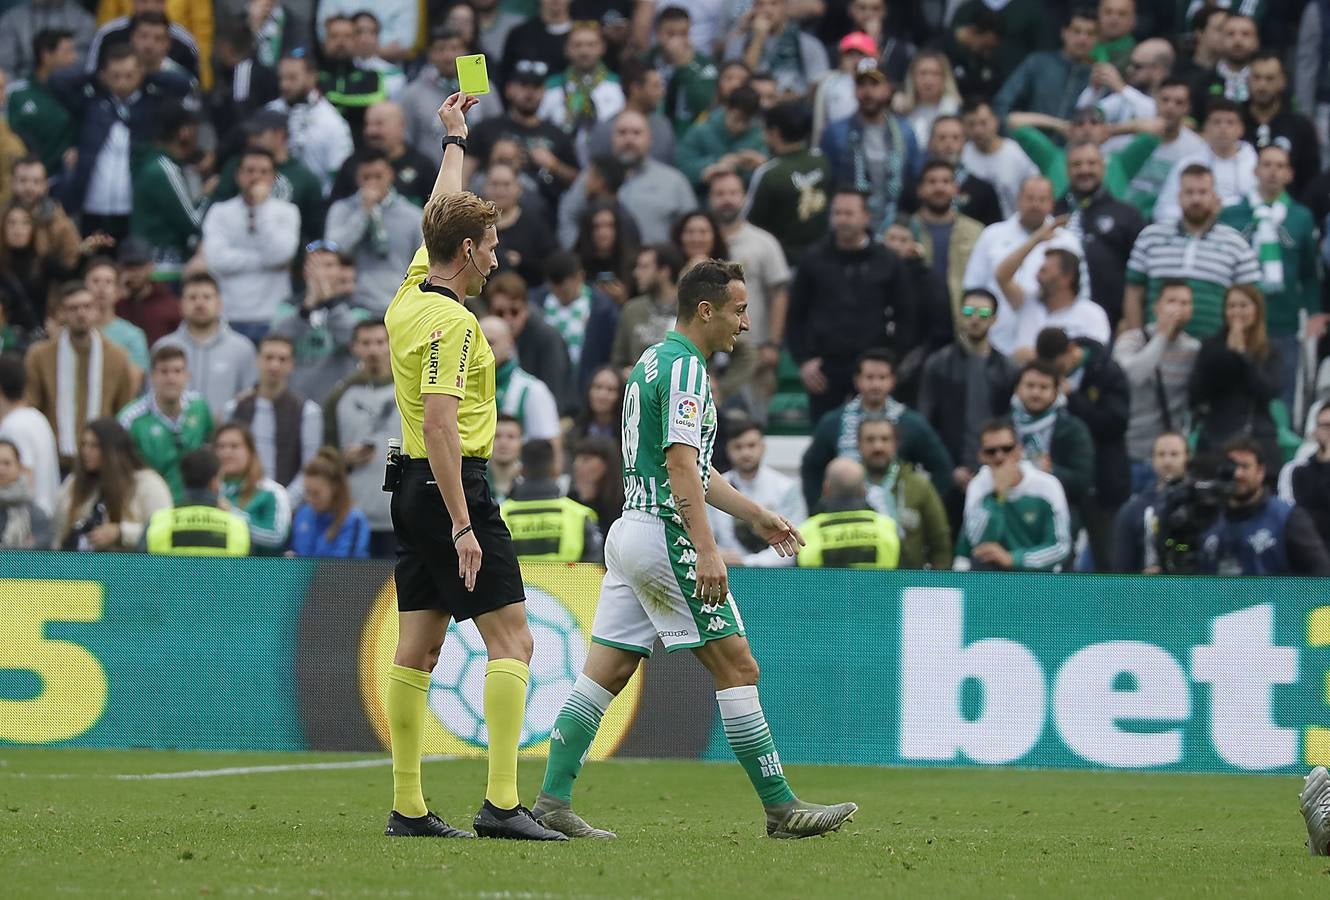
point(70, 828)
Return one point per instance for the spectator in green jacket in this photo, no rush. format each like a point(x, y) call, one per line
point(262, 501)
point(1117, 21)
point(690, 76)
point(1283, 236)
point(732, 142)
point(906, 496)
point(35, 114)
point(168, 212)
point(1015, 512)
point(170, 420)
point(790, 194)
point(1053, 440)
point(837, 433)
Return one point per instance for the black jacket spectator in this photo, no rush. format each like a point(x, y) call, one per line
point(1109, 228)
point(1311, 492)
point(1231, 394)
point(944, 397)
point(844, 302)
point(1102, 401)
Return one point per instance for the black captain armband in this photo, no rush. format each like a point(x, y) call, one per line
point(464, 530)
point(454, 139)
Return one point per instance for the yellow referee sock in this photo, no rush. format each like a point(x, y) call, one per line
point(505, 707)
point(407, 689)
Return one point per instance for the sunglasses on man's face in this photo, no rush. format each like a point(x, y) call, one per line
point(983, 312)
point(1000, 450)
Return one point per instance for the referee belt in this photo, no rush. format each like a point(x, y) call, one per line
point(469, 464)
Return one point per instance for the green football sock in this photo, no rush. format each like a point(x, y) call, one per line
point(750, 739)
point(407, 689)
point(570, 741)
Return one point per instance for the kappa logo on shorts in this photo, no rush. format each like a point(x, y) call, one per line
point(709, 608)
point(716, 624)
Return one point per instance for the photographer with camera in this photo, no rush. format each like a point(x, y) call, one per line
point(1256, 533)
point(1136, 528)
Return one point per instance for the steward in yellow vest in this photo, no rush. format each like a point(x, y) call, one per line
point(847, 534)
point(197, 527)
point(544, 523)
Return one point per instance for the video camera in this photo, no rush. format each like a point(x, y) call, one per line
point(1191, 505)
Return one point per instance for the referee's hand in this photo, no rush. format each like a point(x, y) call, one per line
point(468, 559)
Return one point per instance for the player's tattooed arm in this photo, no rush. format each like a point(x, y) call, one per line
point(689, 496)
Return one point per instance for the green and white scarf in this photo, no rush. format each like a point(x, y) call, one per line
point(884, 491)
point(1269, 219)
point(570, 321)
point(579, 102)
point(1035, 430)
point(847, 441)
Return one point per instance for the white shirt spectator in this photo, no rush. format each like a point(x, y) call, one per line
point(249, 251)
point(1083, 319)
point(1006, 168)
point(110, 190)
point(771, 489)
point(994, 245)
point(28, 430)
point(319, 137)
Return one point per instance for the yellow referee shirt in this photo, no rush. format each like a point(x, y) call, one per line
point(437, 348)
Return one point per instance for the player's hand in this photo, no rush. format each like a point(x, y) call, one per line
point(777, 531)
point(453, 113)
point(713, 580)
point(468, 559)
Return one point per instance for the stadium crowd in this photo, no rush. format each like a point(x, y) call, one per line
point(1014, 267)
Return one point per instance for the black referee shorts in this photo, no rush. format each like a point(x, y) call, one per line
point(426, 558)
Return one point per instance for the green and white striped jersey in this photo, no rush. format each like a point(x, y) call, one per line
point(667, 401)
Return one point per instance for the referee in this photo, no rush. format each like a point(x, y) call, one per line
point(455, 557)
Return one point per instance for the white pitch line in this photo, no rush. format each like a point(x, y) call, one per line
point(238, 770)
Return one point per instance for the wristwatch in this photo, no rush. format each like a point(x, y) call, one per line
point(454, 139)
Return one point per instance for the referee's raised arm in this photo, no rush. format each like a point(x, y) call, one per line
point(453, 116)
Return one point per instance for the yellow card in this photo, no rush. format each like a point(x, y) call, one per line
point(472, 77)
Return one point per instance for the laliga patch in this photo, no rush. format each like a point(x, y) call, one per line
point(686, 414)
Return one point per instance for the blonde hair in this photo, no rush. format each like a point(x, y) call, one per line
point(906, 100)
point(451, 219)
